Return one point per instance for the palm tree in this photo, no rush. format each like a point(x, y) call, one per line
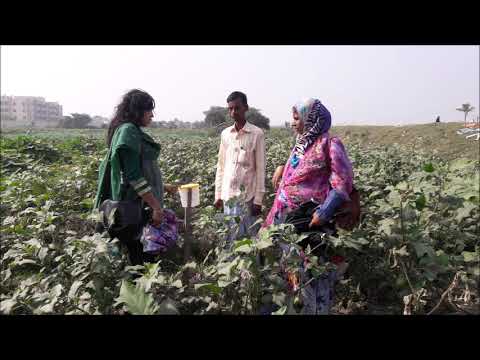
point(466, 108)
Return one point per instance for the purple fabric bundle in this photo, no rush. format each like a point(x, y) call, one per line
point(156, 240)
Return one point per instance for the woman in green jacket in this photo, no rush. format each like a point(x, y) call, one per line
point(134, 172)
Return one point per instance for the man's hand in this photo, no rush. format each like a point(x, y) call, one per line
point(171, 189)
point(277, 177)
point(316, 220)
point(218, 204)
point(256, 210)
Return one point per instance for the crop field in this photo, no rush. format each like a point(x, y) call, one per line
point(416, 250)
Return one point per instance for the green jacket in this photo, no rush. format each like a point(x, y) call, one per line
point(130, 148)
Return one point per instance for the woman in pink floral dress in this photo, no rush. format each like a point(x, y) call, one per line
point(318, 169)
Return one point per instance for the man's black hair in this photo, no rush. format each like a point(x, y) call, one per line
point(238, 95)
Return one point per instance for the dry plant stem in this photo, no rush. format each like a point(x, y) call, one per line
point(452, 285)
point(406, 276)
point(461, 309)
point(404, 241)
point(79, 308)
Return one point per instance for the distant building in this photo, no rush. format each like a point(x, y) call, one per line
point(29, 111)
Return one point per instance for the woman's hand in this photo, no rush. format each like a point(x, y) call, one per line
point(157, 214)
point(277, 177)
point(316, 221)
point(157, 217)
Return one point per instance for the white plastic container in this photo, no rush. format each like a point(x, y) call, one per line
point(183, 190)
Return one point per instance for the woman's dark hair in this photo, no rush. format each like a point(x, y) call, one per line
point(132, 108)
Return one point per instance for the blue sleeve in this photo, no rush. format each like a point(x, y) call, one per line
point(333, 201)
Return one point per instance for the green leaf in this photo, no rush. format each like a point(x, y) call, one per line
point(190, 265)
point(352, 244)
point(336, 242)
point(264, 243)
point(167, 307)
point(7, 273)
point(136, 300)
point(226, 267)
point(42, 253)
point(428, 168)
point(403, 185)
point(6, 306)
point(475, 271)
point(177, 283)
point(244, 264)
point(281, 311)
point(34, 242)
point(47, 308)
point(225, 283)
point(375, 194)
point(246, 249)
point(442, 258)
point(422, 249)
point(136, 269)
point(85, 296)
point(9, 220)
point(87, 203)
point(240, 243)
point(470, 256)
point(409, 213)
point(420, 202)
point(279, 298)
point(111, 217)
point(211, 306)
point(25, 262)
point(208, 287)
point(430, 275)
point(304, 236)
point(74, 288)
point(465, 211)
point(402, 252)
point(386, 226)
point(146, 282)
point(361, 241)
point(394, 198)
point(459, 164)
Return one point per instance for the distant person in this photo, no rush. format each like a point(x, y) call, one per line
point(241, 164)
point(130, 171)
point(437, 120)
point(315, 181)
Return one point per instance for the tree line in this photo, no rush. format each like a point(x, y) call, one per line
point(216, 117)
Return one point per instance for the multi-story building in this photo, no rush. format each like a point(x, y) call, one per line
point(29, 111)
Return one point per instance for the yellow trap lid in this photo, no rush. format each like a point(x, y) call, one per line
point(189, 186)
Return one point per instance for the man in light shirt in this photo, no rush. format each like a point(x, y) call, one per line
point(241, 166)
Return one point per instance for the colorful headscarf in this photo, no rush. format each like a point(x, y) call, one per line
point(316, 119)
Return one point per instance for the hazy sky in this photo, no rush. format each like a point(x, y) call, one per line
point(358, 84)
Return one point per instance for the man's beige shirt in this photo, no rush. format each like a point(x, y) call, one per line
point(241, 161)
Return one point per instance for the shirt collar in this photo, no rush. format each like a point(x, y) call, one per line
point(246, 128)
